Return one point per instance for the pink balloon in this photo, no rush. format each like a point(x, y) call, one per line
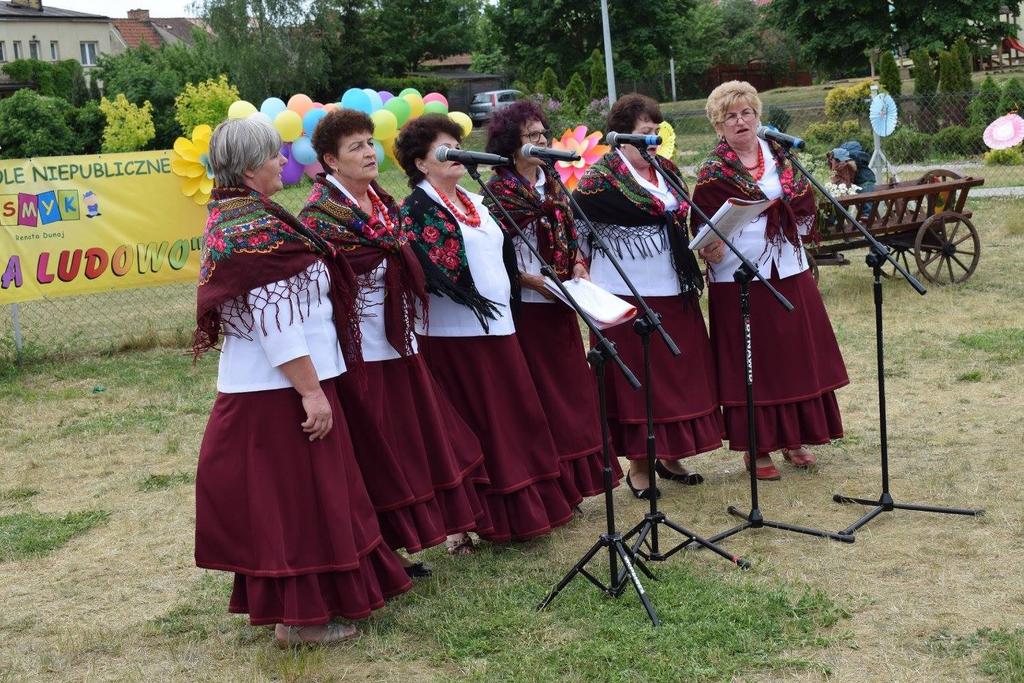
point(385, 95)
point(291, 173)
point(313, 169)
point(330, 106)
point(318, 105)
point(435, 97)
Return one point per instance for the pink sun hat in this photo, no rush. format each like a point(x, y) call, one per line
point(1005, 132)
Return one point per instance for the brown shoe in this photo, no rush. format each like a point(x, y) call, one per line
point(799, 457)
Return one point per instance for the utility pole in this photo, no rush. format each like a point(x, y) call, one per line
point(609, 68)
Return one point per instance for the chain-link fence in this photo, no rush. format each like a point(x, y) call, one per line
point(934, 132)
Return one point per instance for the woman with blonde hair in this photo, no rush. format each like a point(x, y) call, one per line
point(797, 362)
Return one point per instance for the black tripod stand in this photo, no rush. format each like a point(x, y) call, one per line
point(610, 541)
point(743, 275)
point(644, 325)
point(878, 255)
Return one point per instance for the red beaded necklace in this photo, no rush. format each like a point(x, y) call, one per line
point(757, 170)
point(471, 217)
point(379, 212)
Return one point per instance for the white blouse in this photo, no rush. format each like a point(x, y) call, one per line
point(652, 276)
point(306, 324)
point(528, 263)
point(375, 344)
point(484, 253)
point(751, 239)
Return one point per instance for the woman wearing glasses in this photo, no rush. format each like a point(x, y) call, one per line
point(548, 332)
point(797, 363)
point(644, 222)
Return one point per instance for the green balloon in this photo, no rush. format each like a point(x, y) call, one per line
point(435, 107)
point(400, 108)
point(408, 91)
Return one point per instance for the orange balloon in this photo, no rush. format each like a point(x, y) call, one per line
point(300, 103)
point(330, 106)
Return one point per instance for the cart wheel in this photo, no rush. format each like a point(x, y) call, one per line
point(902, 256)
point(813, 265)
point(947, 248)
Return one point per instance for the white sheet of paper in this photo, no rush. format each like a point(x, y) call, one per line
point(606, 309)
point(733, 215)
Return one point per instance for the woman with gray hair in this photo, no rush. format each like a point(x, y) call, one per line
point(279, 498)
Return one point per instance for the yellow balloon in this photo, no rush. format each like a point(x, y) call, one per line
point(289, 125)
point(463, 120)
point(385, 124)
point(415, 104)
point(240, 109)
point(389, 148)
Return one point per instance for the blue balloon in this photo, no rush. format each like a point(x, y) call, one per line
point(303, 152)
point(375, 101)
point(379, 148)
point(272, 106)
point(354, 98)
point(310, 119)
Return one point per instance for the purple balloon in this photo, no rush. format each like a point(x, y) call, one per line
point(292, 172)
point(286, 150)
point(385, 96)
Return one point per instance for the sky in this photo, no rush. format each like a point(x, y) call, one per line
point(119, 8)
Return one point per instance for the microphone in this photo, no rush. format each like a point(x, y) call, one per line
point(788, 141)
point(446, 153)
point(614, 139)
point(548, 153)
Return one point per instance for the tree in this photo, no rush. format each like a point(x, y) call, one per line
point(548, 84)
point(867, 25)
point(576, 93)
point(598, 76)
point(87, 123)
point(206, 102)
point(949, 73)
point(561, 34)
point(1013, 97)
point(129, 127)
point(924, 75)
point(63, 79)
point(984, 107)
point(32, 125)
point(965, 64)
point(407, 32)
point(889, 75)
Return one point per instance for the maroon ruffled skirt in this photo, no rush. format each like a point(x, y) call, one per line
point(549, 335)
point(490, 386)
point(289, 516)
point(796, 361)
point(687, 420)
point(421, 463)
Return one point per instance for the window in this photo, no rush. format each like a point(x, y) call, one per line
point(89, 51)
point(33, 49)
point(54, 51)
point(3, 51)
point(17, 49)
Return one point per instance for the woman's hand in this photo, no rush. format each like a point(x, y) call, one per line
point(319, 418)
point(714, 252)
point(536, 283)
point(579, 271)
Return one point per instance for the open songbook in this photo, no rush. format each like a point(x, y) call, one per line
point(734, 214)
point(606, 309)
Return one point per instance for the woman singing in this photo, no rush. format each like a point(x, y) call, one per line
point(548, 332)
point(797, 363)
point(279, 498)
point(469, 340)
point(420, 461)
point(644, 221)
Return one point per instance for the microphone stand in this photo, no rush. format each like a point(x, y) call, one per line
point(644, 325)
point(600, 352)
point(743, 275)
point(878, 254)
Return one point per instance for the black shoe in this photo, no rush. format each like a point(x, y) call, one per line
point(419, 571)
point(642, 494)
point(688, 479)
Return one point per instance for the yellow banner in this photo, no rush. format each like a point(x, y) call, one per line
point(75, 225)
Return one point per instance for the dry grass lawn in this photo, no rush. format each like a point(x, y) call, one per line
point(123, 601)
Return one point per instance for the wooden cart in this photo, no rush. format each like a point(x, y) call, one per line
point(923, 221)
